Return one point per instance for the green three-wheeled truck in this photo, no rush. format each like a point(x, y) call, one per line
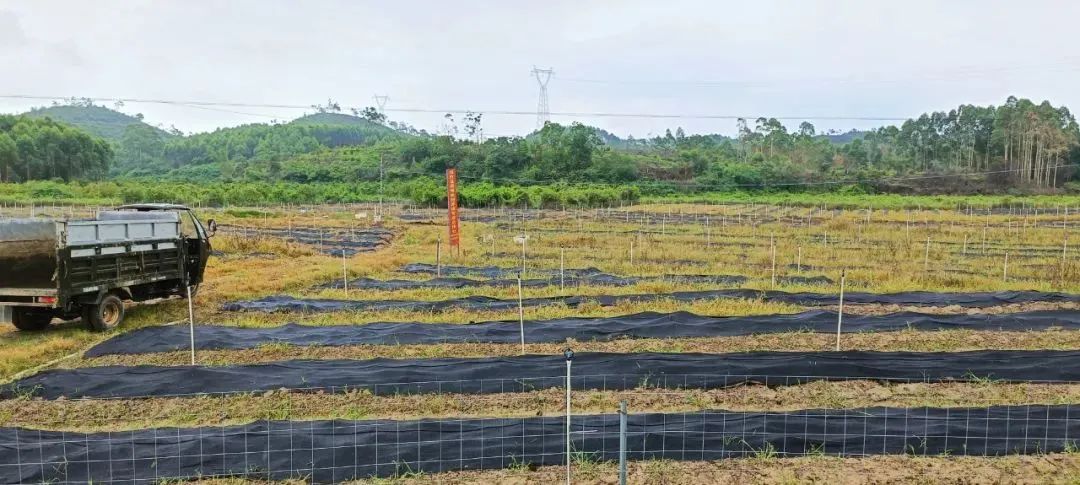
point(87, 269)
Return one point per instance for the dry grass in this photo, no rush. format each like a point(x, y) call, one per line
point(936, 341)
point(883, 255)
point(122, 414)
point(1060, 468)
point(1055, 468)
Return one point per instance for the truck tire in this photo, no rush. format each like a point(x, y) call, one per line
point(30, 320)
point(105, 315)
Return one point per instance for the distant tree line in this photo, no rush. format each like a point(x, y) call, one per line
point(1019, 144)
point(33, 149)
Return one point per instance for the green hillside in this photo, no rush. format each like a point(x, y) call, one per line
point(96, 120)
point(341, 119)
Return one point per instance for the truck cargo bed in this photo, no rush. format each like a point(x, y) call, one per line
point(75, 255)
point(28, 253)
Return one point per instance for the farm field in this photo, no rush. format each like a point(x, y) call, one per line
point(958, 332)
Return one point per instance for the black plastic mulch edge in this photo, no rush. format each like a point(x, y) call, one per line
point(650, 325)
point(598, 279)
point(603, 371)
point(335, 451)
point(912, 298)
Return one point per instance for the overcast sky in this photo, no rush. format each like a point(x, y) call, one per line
point(747, 58)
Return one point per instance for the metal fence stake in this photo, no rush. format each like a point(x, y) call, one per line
point(191, 323)
point(840, 313)
point(569, 354)
point(521, 313)
point(622, 442)
point(345, 273)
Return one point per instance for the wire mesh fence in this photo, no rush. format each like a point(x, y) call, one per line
point(208, 436)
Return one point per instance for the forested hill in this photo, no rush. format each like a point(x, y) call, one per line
point(1019, 144)
point(96, 120)
point(144, 150)
point(341, 119)
point(43, 148)
point(258, 150)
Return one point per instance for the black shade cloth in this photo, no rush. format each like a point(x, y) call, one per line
point(639, 325)
point(335, 451)
point(910, 298)
point(611, 371)
point(597, 279)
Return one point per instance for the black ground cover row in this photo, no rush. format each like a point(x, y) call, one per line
point(604, 371)
point(335, 451)
point(597, 279)
point(639, 325)
point(920, 298)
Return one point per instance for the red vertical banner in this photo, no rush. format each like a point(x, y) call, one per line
point(452, 207)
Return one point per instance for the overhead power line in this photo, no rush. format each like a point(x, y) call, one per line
point(962, 73)
point(566, 114)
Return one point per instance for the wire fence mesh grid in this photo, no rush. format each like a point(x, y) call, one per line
point(277, 446)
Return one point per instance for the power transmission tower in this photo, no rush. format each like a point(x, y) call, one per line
point(543, 113)
point(380, 101)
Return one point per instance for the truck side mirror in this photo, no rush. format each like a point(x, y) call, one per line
point(211, 228)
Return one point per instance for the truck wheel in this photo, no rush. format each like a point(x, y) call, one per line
point(105, 315)
point(30, 320)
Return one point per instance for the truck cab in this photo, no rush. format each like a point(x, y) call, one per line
point(196, 237)
point(69, 269)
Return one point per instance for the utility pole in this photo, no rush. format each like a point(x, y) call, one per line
point(543, 113)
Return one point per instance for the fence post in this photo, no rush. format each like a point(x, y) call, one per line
point(345, 273)
point(1064, 249)
point(622, 442)
point(926, 256)
point(631, 252)
point(569, 354)
point(798, 261)
point(773, 244)
point(191, 322)
point(840, 312)
point(521, 314)
point(562, 269)
point(438, 257)
point(1005, 268)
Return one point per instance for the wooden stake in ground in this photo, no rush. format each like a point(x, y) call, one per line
point(562, 269)
point(926, 256)
point(708, 234)
point(798, 261)
point(840, 312)
point(1005, 268)
point(344, 273)
point(773, 244)
point(438, 257)
point(1064, 249)
point(631, 252)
